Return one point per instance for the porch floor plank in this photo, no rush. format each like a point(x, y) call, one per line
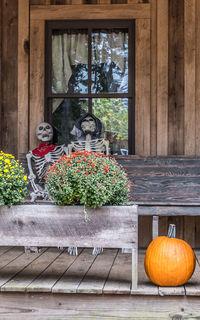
point(52, 273)
point(171, 291)
point(4, 249)
point(41, 265)
point(145, 287)
point(71, 279)
point(26, 276)
point(96, 276)
point(10, 255)
point(14, 267)
point(56, 271)
point(119, 279)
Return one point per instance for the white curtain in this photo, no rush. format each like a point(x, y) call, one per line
point(72, 49)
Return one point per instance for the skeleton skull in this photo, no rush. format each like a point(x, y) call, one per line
point(88, 125)
point(44, 132)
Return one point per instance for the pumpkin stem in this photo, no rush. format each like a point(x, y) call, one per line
point(172, 231)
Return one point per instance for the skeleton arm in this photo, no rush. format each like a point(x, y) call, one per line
point(37, 190)
point(31, 176)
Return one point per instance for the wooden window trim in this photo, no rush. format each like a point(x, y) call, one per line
point(140, 12)
point(99, 11)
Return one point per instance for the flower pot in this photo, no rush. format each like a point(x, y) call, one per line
point(64, 226)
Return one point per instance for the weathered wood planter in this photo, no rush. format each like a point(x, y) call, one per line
point(50, 225)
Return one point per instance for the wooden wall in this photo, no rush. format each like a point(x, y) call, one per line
point(167, 79)
point(8, 75)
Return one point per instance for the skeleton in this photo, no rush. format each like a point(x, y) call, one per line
point(88, 130)
point(42, 157)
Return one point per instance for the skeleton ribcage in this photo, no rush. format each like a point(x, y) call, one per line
point(41, 164)
point(97, 145)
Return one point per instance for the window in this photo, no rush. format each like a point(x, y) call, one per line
point(90, 68)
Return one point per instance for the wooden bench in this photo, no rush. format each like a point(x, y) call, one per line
point(49, 225)
point(164, 186)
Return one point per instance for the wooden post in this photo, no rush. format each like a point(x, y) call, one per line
point(155, 220)
point(23, 75)
point(134, 268)
point(162, 77)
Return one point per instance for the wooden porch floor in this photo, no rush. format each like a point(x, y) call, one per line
point(55, 271)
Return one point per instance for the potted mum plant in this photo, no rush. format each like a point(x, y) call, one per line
point(88, 178)
point(13, 181)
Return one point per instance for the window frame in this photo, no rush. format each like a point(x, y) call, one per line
point(90, 25)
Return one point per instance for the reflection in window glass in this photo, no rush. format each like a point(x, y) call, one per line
point(114, 116)
point(110, 61)
point(70, 61)
point(64, 114)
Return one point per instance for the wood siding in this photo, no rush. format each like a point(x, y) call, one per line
point(167, 77)
point(8, 60)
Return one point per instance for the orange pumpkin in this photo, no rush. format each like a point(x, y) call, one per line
point(169, 261)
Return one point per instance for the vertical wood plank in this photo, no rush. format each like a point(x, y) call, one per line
point(153, 77)
point(9, 111)
point(145, 231)
point(189, 81)
point(1, 31)
point(36, 78)
point(189, 99)
point(189, 230)
point(197, 232)
point(142, 90)
point(155, 224)
point(23, 72)
point(176, 77)
point(197, 84)
point(162, 77)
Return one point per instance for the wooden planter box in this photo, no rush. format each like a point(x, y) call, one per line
point(50, 225)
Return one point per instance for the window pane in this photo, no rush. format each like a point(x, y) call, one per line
point(64, 113)
point(70, 61)
point(113, 113)
point(110, 61)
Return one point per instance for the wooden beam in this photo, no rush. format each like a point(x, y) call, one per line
point(189, 81)
point(9, 76)
point(77, 306)
point(36, 78)
point(162, 77)
point(23, 75)
point(142, 90)
point(112, 11)
point(176, 77)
